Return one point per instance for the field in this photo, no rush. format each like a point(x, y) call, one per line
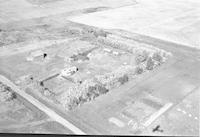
point(16, 10)
point(175, 21)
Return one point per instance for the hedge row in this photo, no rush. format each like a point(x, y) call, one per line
point(80, 93)
point(117, 77)
point(132, 47)
point(92, 88)
point(86, 32)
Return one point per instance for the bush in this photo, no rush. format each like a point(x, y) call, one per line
point(141, 56)
point(70, 98)
point(101, 33)
point(7, 96)
point(91, 89)
point(2, 88)
point(79, 57)
point(114, 43)
point(47, 92)
point(123, 79)
point(6, 93)
point(71, 103)
point(150, 64)
point(101, 89)
point(157, 57)
point(108, 80)
point(139, 70)
point(96, 90)
point(73, 31)
point(94, 32)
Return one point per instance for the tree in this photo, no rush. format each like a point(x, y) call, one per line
point(2, 87)
point(7, 96)
point(150, 64)
point(123, 79)
point(139, 70)
point(157, 57)
point(141, 56)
